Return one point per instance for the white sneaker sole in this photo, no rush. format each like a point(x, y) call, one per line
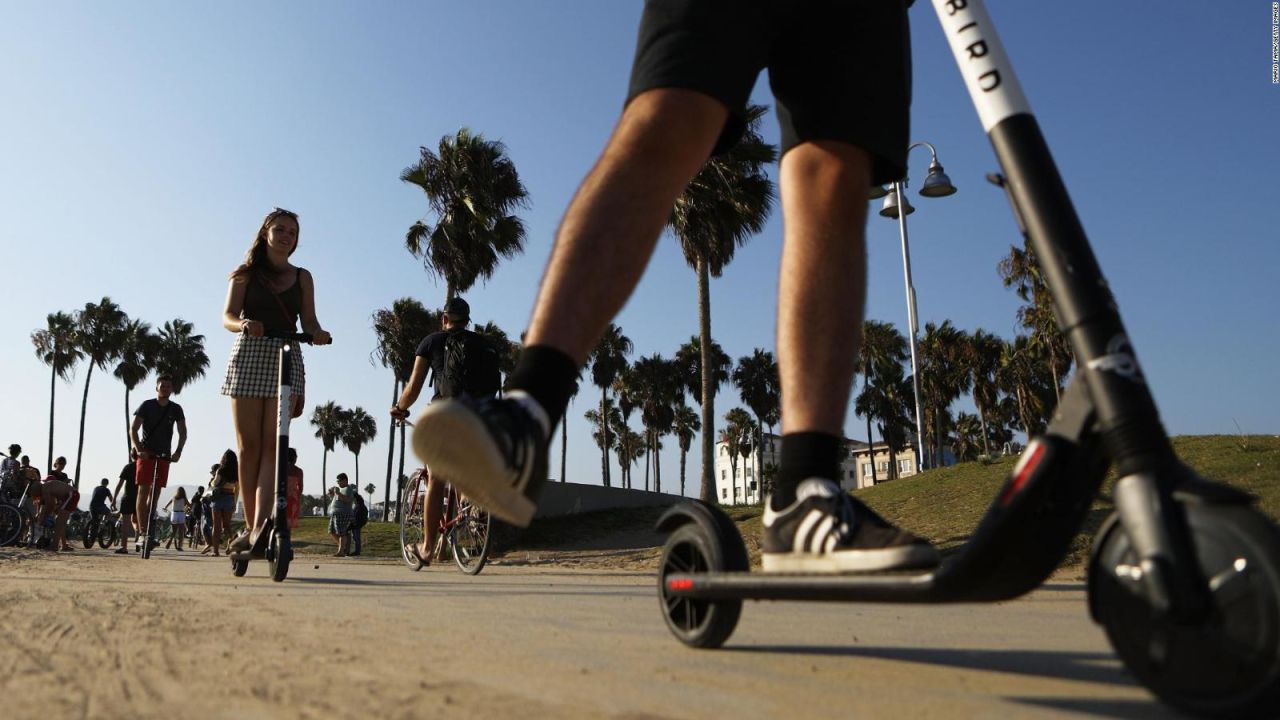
point(455, 445)
point(907, 557)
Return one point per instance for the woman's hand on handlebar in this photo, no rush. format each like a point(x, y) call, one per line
point(252, 328)
point(321, 337)
point(399, 414)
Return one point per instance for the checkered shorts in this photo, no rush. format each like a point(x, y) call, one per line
point(340, 522)
point(254, 368)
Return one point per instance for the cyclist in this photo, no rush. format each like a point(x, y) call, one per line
point(267, 294)
point(841, 79)
point(461, 362)
point(100, 505)
point(156, 418)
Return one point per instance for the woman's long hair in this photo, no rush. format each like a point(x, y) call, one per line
point(255, 261)
point(182, 493)
point(229, 468)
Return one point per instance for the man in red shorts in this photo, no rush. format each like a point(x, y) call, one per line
point(152, 437)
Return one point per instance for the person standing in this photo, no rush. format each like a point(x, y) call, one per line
point(223, 485)
point(127, 504)
point(359, 518)
point(58, 498)
point(152, 436)
point(194, 518)
point(841, 77)
point(341, 513)
point(177, 509)
point(267, 295)
point(293, 487)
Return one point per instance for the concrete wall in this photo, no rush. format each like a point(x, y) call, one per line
point(572, 498)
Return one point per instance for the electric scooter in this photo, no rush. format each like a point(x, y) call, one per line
point(149, 532)
point(274, 542)
point(1184, 576)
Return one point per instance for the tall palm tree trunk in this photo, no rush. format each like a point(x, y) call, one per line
point(982, 418)
point(564, 444)
point(324, 482)
point(871, 450)
point(357, 468)
point(648, 442)
point(53, 388)
point(84, 408)
point(657, 465)
point(682, 461)
point(128, 441)
point(391, 454)
point(399, 476)
point(604, 429)
point(708, 491)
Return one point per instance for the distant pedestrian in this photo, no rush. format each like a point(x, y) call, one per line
point(194, 516)
point(359, 518)
point(152, 437)
point(127, 504)
point(177, 509)
point(223, 484)
point(293, 501)
point(341, 513)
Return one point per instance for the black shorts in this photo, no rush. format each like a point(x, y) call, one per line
point(129, 504)
point(839, 69)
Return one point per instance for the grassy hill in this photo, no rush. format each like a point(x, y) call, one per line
point(943, 505)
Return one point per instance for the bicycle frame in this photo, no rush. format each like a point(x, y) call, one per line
point(1106, 417)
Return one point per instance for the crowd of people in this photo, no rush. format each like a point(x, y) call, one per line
point(201, 521)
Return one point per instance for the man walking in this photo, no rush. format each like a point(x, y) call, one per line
point(341, 513)
point(840, 74)
point(127, 504)
point(152, 437)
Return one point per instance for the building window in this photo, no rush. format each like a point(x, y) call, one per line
point(866, 470)
point(723, 475)
point(904, 466)
point(883, 466)
point(724, 494)
point(748, 474)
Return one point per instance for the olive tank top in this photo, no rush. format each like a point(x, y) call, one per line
point(278, 312)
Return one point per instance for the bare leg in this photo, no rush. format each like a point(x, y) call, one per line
point(612, 225)
point(431, 515)
point(266, 506)
point(822, 287)
point(247, 413)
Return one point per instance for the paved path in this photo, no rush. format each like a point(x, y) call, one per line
point(97, 635)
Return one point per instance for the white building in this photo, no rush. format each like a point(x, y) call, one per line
point(741, 485)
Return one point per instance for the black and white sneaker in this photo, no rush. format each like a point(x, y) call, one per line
point(827, 531)
point(494, 451)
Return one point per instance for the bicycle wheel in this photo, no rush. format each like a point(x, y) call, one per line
point(76, 525)
point(469, 537)
point(411, 505)
point(108, 533)
point(90, 533)
point(10, 525)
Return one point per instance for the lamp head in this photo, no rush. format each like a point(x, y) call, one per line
point(890, 209)
point(937, 184)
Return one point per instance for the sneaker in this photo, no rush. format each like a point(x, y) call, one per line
point(827, 531)
point(122, 551)
point(494, 451)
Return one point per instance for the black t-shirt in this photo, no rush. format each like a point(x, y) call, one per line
point(157, 424)
point(101, 495)
point(433, 349)
point(129, 475)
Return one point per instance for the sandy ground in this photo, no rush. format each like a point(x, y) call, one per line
point(95, 635)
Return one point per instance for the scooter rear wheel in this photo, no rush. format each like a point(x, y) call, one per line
point(694, 549)
point(239, 567)
point(1228, 664)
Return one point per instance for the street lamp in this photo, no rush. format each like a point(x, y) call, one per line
point(937, 184)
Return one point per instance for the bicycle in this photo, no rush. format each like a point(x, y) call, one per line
point(464, 526)
point(108, 530)
point(93, 529)
point(1184, 577)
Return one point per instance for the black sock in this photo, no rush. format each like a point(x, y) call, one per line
point(804, 455)
point(549, 376)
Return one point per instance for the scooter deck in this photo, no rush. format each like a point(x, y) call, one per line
point(868, 587)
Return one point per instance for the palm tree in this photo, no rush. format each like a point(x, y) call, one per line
point(508, 351)
point(737, 428)
point(703, 386)
point(686, 424)
point(726, 203)
point(631, 447)
point(968, 429)
point(1019, 377)
point(564, 427)
point(327, 420)
point(603, 421)
point(756, 378)
point(56, 347)
point(137, 359)
point(99, 335)
point(982, 358)
point(943, 378)
point(399, 329)
point(882, 345)
point(608, 358)
point(358, 428)
point(657, 390)
point(472, 189)
point(1021, 271)
point(368, 490)
point(181, 354)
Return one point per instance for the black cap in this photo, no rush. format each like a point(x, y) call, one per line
point(458, 308)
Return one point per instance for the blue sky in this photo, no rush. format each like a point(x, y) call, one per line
point(144, 141)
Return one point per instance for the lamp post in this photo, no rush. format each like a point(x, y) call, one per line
point(937, 184)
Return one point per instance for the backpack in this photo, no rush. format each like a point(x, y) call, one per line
point(470, 367)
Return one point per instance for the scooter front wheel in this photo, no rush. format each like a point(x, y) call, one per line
point(1228, 663)
point(239, 567)
point(694, 549)
point(279, 554)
